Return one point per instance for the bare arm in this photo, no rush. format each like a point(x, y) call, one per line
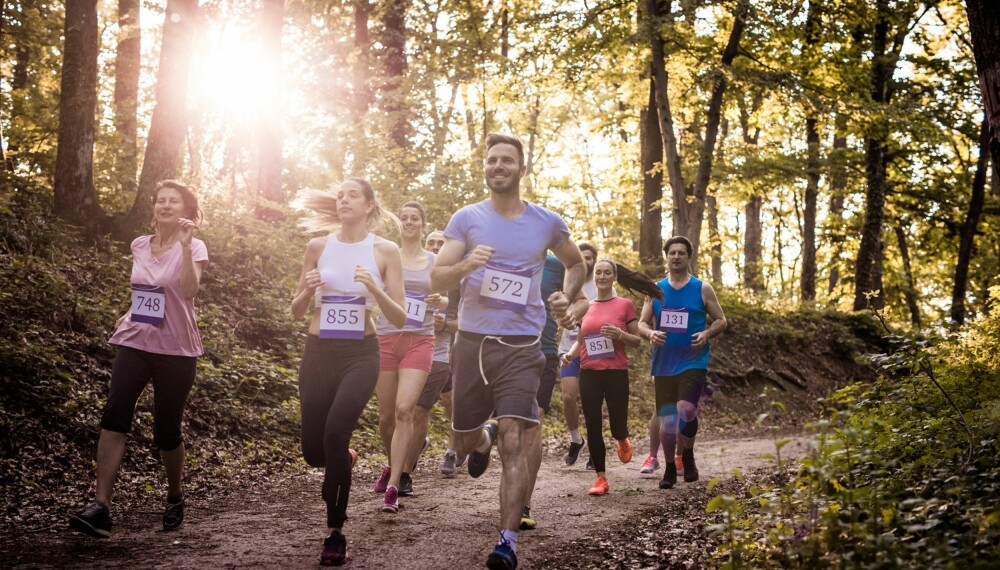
point(309, 280)
point(190, 269)
point(576, 273)
point(392, 300)
point(646, 322)
point(714, 310)
point(451, 264)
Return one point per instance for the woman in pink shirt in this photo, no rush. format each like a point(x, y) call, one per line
point(157, 340)
point(608, 327)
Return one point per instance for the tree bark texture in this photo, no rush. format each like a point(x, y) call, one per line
point(75, 195)
point(361, 85)
point(393, 92)
point(270, 139)
point(753, 255)
point(651, 220)
point(984, 26)
point(838, 187)
point(127, 67)
point(168, 125)
point(689, 202)
point(910, 287)
point(969, 228)
point(807, 283)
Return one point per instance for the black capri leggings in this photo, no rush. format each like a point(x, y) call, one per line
point(172, 378)
point(597, 387)
point(336, 380)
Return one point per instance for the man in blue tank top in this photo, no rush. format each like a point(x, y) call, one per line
point(496, 249)
point(678, 330)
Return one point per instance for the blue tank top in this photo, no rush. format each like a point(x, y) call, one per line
point(683, 314)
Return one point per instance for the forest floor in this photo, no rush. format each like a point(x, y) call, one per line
point(450, 523)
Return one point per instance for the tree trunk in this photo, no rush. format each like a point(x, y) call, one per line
point(168, 125)
point(910, 288)
point(651, 221)
point(714, 238)
point(362, 96)
point(128, 64)
point(753, 255)
point(689, 203)
point(838, 186)
point(984, 26)
point(19, 77)
point(808, 278)
point(270, 139)
point(393, 95)
point(75, 195)
point(968, 232)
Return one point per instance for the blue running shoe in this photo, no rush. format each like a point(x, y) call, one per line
point(502, 557)
point(478, 462)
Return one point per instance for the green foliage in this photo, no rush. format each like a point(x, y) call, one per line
point(889, 483)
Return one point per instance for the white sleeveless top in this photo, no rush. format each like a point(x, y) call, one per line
point(336, 267)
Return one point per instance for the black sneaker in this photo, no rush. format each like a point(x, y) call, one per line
point(478, 462)
point(405, 485)
point(590, 464)
point(690, 470)
point(173, 515)
point(669, 475)
point(502, 557)
point(334, 550)
point(573, 453)
point(95, 521)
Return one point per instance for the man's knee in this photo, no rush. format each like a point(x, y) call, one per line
point(687, 411)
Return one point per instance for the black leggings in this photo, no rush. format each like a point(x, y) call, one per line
point(172, 376)
point(336, 380)
point(597, 387)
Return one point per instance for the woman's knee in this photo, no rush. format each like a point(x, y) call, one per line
point(404, 412)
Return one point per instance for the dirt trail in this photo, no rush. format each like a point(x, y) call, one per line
point(451, 523)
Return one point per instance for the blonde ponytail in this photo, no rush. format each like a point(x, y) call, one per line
point(321, 209)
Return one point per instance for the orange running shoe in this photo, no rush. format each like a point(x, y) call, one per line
point(600, 487)
point(679, 461)
point(624, 450)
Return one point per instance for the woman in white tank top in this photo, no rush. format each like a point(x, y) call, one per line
point(344, 275)
point(406, 355)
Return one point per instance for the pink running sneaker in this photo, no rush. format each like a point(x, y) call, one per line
point(679, 461)
point(383, 480)
point(650, 465)
point(390, 504)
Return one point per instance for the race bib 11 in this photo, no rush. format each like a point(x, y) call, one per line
point(149, 304)
point(599, 347)
point(674, 320)
point(342, 317)
point(505, 287)
point(416, 309)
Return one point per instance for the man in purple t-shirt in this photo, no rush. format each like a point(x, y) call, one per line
point(496, 249)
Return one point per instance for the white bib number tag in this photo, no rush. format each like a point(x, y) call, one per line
point(571, 335)
point(342, 317)
point(416, 309)
point(599, 347)
point(674, 320)
point(505, 287)
point(149, 304)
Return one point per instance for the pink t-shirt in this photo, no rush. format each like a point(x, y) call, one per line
point(616, 311)
point(178, 334)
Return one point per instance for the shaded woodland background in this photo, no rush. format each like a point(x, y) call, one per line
point(825, 156)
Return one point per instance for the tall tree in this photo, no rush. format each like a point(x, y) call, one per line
point(909, 282)
point(393, 93)
point(838, 186)
point(651, 220)
point(169, 121)
point(270, 140)
point(890, 27)
point(75, 195)
point(969, 228)
point(753, 237)
point(689, 200)
point(361, 84)
point(984, 27)
point(128, 64)
point(808, 278)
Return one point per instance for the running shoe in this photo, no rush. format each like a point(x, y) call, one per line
point(590, 464)
point(527, 521)
point(690, 470)
point(669, 476)
point(405, 485)
point(600, 487)
point(427, 443)
point(173, 516)
point(624, 450)
point(478, 462)
point(383, 480)
point(448, 464)
point(650, 465)
point(95, 520)
point(334, 550)
point(573, 453)
point(679, 461)
point(390, 503)
point(354, 457)
point(502, 557)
